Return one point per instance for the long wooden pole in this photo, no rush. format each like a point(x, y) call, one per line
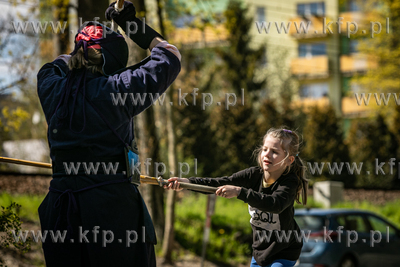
point(143, 178)
point(120, 4)
point(25, 162)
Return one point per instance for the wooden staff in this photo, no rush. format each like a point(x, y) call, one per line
point(25, 162)
point(143, 178)
point(120, 4)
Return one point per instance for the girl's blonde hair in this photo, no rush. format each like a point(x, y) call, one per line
point(290, 142)
point(93, 64)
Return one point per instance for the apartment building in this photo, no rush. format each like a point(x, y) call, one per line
point(200, 30)
point(311, 39)
point(320, 52)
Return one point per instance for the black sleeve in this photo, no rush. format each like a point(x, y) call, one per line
point(242, 178)
point(148, 82)
point(49, 78)
point(282, 197)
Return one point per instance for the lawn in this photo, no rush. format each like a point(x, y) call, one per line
point(230, 235)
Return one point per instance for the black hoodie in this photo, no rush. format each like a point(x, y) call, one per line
point(276, 234)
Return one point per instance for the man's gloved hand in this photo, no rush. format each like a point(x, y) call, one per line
point(127, 10)
point(132, 26)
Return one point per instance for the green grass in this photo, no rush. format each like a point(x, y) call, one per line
point(28, 213)
point(231, 235)
point(310, 204)
point(230, 229)
point(29, 205)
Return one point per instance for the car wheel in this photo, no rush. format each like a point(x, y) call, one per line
point(347, 262)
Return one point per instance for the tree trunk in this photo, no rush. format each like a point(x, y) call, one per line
point(73, 21)
point(169, 234)
point(88, 10)
point(148, 144)
point(56, 38)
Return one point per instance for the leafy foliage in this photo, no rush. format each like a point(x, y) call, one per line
point(222, 140)
point(240, 59)
point(324, 142)
point(372, 140)
point(11, 121)
point(235, 128)
point(231, 234)
point(9, 223)
point(384, 47)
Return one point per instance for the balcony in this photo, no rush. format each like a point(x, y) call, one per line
point(361, 19)
point(307, 103)
point(317, 24)
point(315, 29)
point(209, 36)
point(357, 63)
point(350, 107)
point(313, 67)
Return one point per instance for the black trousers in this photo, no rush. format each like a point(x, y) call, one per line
point(108, 228)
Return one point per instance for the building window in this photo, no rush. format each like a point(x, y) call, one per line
point(312, 50)
point(356, 88)
point(352, 5)
point(353, 46)
point(349, 46)
point(264, 59)
point(315, 90)
point(260, 14)
point(311, 9)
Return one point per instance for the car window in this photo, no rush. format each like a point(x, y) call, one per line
point(356, 223)
point(352, 222)
point(308, 222)
point(341, 220)
point(380, 225)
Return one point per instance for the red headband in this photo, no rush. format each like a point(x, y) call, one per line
point(91, 32)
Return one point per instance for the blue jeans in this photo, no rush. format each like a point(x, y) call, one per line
point(275, 263)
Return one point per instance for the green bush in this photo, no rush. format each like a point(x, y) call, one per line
point(324, 142)
point(376, 142)
point(231, 234)
point(310, 204)
point(10, 222)
point(29, 205)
